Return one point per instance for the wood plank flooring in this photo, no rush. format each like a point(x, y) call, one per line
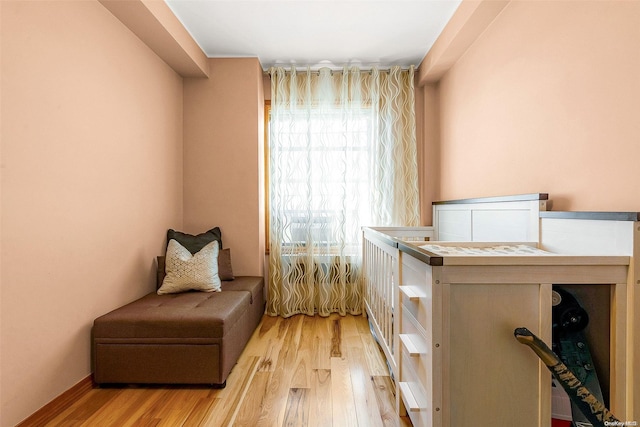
point(300, 371)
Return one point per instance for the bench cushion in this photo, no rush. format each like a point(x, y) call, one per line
point(184, 315)
point(253, 285)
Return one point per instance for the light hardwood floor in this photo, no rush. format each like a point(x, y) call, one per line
point(301, 371)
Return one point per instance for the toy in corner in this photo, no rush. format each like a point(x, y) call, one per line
point(592, 408)
point(571, 348)
point(569, 320)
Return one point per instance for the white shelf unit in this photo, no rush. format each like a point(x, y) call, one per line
point(471, 370)
point(469, 367)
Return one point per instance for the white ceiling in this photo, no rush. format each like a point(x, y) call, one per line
point(316, 32)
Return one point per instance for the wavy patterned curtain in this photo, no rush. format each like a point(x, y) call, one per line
point(342, 154)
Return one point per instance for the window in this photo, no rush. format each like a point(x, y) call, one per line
point(320, 161)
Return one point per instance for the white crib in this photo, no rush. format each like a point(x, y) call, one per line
point(381, 276)
point(508, 219)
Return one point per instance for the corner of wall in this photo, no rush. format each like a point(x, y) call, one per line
point(156, 25)
point(223, 140)
point(469, 21)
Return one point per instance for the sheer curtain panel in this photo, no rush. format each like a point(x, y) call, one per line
point(342, 154)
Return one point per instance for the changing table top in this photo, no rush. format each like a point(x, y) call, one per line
point(493, 253)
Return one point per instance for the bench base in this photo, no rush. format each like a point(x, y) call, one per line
point(129, 346)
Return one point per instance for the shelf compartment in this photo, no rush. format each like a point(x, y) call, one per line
point(413, 399)
point(414, 344)
point(413, 293)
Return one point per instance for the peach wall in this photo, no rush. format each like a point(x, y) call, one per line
point(547, 100)
point(428, 138)
point(91, 179)
point(223, 158)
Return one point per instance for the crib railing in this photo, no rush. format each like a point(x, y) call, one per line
point(381, 268)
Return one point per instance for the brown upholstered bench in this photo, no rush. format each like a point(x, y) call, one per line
point(185, 338)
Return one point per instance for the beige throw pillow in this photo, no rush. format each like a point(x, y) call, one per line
point(185, 272)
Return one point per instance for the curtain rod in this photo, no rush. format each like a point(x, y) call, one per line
point(316, 69)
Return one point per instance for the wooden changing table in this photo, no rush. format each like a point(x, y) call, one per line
point(459, 303)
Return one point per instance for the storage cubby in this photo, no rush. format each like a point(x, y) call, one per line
point(596, 300)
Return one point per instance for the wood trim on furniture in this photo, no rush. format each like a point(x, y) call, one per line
point(513, 198)
point(599, 216)
point(58, 405)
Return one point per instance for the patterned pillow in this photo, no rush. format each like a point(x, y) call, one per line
point(185, 272)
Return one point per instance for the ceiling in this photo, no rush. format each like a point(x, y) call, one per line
point(316, 32)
